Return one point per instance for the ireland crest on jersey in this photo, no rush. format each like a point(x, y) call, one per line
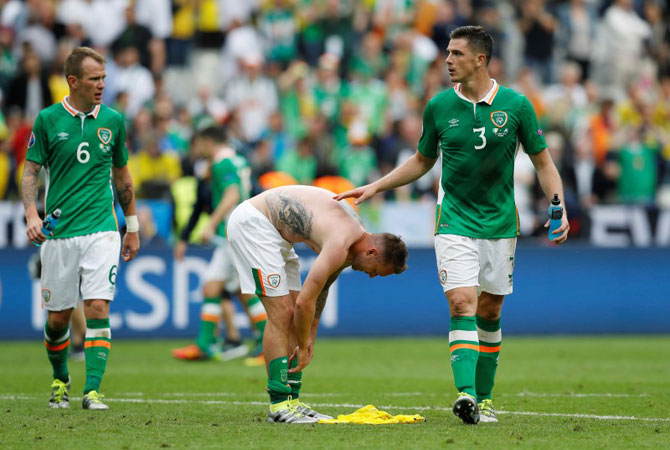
point(274, 280)
point(105, 135)
point(499, 118)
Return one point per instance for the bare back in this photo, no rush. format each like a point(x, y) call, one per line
point(309, 214)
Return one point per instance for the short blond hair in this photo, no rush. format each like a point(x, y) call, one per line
point(74, 61)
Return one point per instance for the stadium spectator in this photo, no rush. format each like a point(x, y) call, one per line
point(253, 95)
point(262, 232)
point(133, 78)
point(538, 27)
point(277, 24)
point(619, 47)
point(153, 170)
point(8, 63)
point(300, 163)
point(86, 262)
point(577, 21)
point(476, 238)
point(156, 15)
point(135, 35)
point(640, 162)
point(29, 89)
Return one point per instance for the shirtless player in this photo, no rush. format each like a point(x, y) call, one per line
point(262, 232)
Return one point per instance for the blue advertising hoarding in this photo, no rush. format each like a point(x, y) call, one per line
point(569, 289)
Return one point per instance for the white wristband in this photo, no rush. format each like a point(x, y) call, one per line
point(132, 225)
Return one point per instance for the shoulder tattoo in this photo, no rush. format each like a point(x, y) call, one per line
point(290, 215)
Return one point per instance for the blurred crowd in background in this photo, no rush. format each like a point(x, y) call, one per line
point(331, 92)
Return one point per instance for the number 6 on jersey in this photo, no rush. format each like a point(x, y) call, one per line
point(82, 154)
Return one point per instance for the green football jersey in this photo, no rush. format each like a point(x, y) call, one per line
point(228, 169)
point(77, 151)
point(478, 143)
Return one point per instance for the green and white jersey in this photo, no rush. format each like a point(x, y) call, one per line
point(228, 169)
point(478, 143)
point(77, 151)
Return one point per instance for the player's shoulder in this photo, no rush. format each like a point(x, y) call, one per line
point(510, 96)
point(108, 113)
point(444, 97)
point(55, 110)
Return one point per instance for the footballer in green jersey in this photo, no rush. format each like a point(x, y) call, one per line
point(230, 179)
point(77, 151)
point(229, 170)
point(478, 142)
point(81, 145)
point(476, 127)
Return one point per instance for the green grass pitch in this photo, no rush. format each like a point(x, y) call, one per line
point(572, 393)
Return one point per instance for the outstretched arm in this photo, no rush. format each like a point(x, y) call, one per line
point(318, 309)
point(412, 169)
point(125, 193)
point(312, 299)
point(551, 184)
point(31, 171)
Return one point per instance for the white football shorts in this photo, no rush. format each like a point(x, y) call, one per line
point(266, 263)
point(487, 264)
point(221, 267)
point(80, 265)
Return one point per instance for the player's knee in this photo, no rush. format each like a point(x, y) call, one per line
point(489, 311)
point(58, 321)
point(212, 289)
point(96, 309)
point(461, 305)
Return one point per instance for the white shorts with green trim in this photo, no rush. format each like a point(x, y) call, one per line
point(487, 264)
point(266, 263)
point(80, 265)
point(221, 267)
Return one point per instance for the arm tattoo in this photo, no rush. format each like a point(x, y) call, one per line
point(29, 183)
point(124, 192)
point(321, 302)
point(323, 296)
point(290, 215)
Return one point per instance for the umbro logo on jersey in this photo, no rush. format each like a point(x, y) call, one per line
point(62, 136)
point(453, 123)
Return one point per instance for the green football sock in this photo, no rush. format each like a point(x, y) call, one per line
point(295, 380)
point(464, 347)
point(490, 339)
point(209, 321)
point(278, 386)
point(57, 342)
point(96, 348)
point(259, 317)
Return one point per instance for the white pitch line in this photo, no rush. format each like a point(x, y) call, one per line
point(264, 394)
point(346, 405)
point(404, 394)
point(572, 394)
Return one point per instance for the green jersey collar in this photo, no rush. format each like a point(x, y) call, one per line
point(488, 98)
point(74, 112)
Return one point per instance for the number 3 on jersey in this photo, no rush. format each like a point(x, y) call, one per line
point(481, 135)
point(82, 154)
